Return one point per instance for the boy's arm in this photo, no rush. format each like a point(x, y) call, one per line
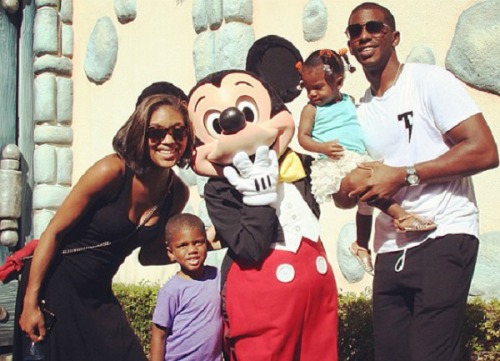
point(158, 337)
point(331, 149)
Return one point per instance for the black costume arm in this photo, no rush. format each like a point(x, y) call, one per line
point(248, 231)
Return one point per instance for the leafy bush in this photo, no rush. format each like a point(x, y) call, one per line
point(138, 302)
point(355, 328)
point(480, 341)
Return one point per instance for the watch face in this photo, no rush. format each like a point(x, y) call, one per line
point(412, 179)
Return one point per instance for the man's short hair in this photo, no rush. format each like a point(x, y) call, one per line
point(388, 17)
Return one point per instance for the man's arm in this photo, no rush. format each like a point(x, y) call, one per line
point(473, 150)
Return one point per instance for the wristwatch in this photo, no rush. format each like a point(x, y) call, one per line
point(412, 177)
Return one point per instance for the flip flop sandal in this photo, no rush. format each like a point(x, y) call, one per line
point(364, 261)
point(417, 224)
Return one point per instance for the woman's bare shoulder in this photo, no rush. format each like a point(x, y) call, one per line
point(103, 176)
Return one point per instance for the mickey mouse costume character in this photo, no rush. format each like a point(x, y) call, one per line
point(279, 291)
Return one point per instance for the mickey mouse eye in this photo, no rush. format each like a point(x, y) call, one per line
point(212, 124)
point(249, 108)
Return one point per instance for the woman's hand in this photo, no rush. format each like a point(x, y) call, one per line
point(33, 323)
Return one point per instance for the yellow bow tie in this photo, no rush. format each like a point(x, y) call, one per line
point(291, 168)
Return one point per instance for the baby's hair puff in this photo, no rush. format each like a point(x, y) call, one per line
point(298, 66)
point(333, 63)
point(343, 54)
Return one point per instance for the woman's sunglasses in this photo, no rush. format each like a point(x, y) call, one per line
point(156, 135)
point(373, 27)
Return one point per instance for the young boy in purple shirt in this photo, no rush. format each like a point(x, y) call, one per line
point(187, 320)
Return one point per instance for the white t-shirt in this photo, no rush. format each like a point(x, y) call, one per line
point(406, 126)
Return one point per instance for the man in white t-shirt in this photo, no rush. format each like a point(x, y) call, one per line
point(431, 137)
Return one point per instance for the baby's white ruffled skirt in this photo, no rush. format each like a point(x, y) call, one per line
point(327, 174)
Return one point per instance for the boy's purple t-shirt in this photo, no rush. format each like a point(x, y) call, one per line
point(191, 310)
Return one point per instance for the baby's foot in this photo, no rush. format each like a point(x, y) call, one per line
point(414, 223)
point(363, 256)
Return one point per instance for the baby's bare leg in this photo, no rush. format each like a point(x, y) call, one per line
point(356, 177)
point(395, 211)
point(359, 177)
point(343, 201)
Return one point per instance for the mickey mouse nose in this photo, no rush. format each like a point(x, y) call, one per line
point(232, 120)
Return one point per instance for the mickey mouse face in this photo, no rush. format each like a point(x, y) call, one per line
point(231, 113)
point(209, 105)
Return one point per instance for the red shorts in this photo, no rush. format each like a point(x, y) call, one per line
point(284, 310)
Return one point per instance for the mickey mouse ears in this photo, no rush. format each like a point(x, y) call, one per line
point(273, 58)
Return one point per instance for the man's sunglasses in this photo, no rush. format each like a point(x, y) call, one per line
point(373, 27)
point(156, 135)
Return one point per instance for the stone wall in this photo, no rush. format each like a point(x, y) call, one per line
point(53, 108)
point(10, 195)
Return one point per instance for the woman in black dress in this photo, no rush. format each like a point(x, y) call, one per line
point(122, 202)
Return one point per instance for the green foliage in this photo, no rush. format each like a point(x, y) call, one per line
point(138, 302)
point(480, 341)
point(355, 328)
point(481, 331)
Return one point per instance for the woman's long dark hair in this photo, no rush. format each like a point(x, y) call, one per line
point(130, 141)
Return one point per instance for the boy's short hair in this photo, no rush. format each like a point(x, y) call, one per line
point(182, 221)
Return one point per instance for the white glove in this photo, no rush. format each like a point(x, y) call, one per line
point(255, 181)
